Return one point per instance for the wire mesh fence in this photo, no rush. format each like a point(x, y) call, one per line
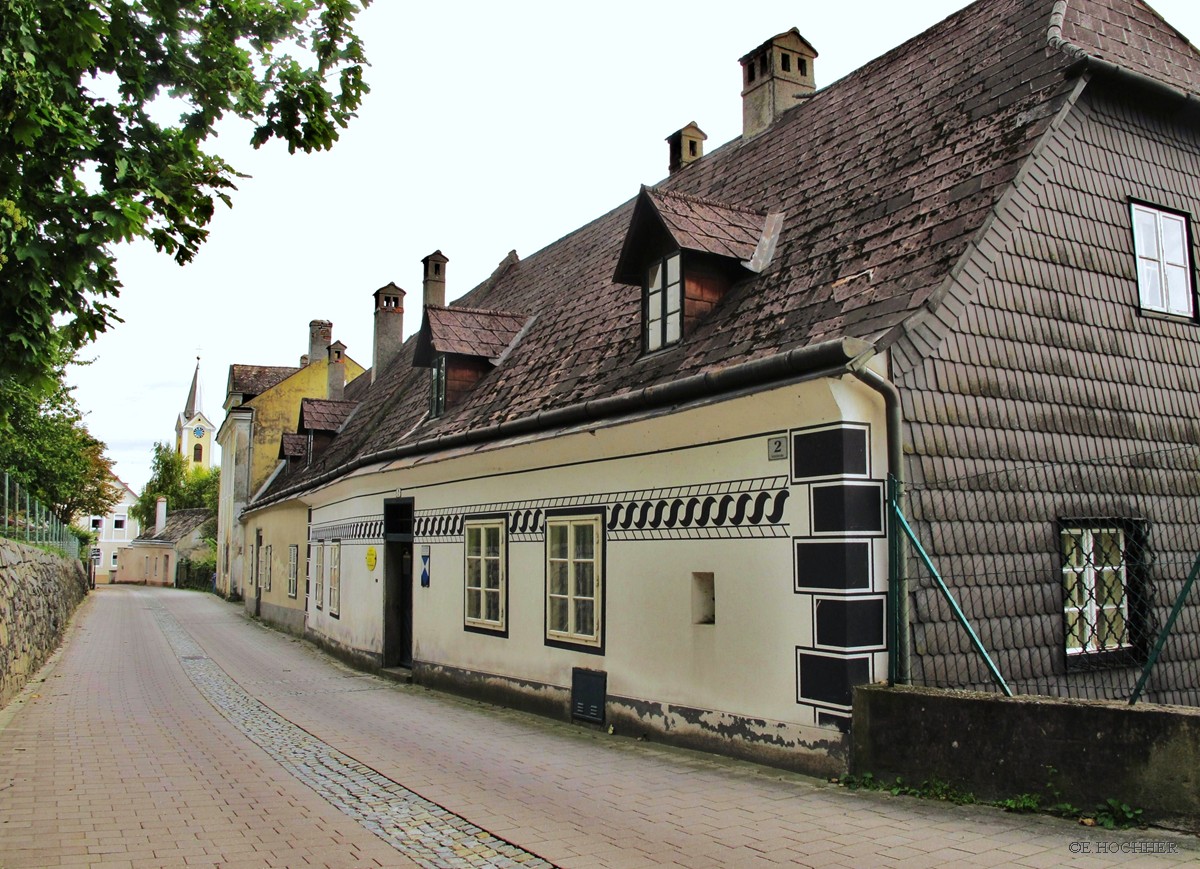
point(1068, 575)
point(25, 518)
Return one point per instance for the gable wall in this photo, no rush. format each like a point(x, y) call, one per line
point(1054, 363)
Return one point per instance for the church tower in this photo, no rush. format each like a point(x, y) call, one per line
point(193, 430)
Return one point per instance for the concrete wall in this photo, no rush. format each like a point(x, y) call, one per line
point(38, 593)
point(997, 747)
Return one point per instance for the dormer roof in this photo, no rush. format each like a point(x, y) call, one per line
point(466, 332)
point(319, 414)
point(293, 446)
point(689, 223)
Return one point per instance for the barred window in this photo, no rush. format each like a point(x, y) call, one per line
point(1107, 617)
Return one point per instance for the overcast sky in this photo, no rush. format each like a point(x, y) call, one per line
point(489, 127)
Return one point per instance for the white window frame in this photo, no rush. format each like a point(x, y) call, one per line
point(1161, 265)
point(569, 596)
point(1083, 582)
point(480, 566)
point(267, 584)
point(113, 558)
point(662, 314)
point(293, 569)
point(437, 393)
point(319, 573)
point(335, 578)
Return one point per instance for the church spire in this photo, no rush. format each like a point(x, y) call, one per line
point(193, 400)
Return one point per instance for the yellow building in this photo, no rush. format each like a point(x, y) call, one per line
point(261, 403)
point(194, 430)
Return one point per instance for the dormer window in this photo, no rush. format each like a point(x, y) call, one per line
point(664, 303)
point(437, 392)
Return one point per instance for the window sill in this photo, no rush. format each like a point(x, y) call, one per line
point(1151, 314)
point(577, 646)
point(487, 630)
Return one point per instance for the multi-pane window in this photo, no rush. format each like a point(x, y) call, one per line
point(335, 578)
point(113, 562)
point(319, 574)
point(664, 303)
point(574, 579)
point(267, 572)
point(1163, 265)
point(293, 569)
point(485, 574)
point(437, 393)
point(1095, 589)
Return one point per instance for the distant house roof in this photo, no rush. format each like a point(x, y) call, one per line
point(252, 380)
point(466, 331)
point(885, 177)
point(318, 414)
point(179, 524)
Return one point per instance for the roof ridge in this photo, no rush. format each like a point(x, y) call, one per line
point(700, 200)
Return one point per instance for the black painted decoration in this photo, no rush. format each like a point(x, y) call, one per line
point(850, 623)
point(826, 679)
point(847, 507)
point(831, 452)
point(833, 565)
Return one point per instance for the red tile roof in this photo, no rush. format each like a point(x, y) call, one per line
point(884, 176)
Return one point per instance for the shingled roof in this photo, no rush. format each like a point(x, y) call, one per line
point(466, 331)
point(251, 380)
point(885, 177)
point(179, 524)
point(292, 446)
point(319, 414)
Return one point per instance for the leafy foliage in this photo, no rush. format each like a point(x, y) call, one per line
point(84, 163)
point(51, 450)
point(183, 489)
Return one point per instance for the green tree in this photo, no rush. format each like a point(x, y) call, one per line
point(183, 489)
point(51, 451)
point(83, 164)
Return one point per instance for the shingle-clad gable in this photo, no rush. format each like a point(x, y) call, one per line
point(885, 178)
point(292, 446)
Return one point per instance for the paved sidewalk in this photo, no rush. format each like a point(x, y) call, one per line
point(124, 760)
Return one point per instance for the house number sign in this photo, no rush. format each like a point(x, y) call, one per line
point(371, 558)
point(777, 448)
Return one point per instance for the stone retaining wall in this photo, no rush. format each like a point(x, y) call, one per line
point(38, 593)
point(1078, 751)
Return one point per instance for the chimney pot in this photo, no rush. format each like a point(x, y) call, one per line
point(389, 328)
point(320, 333)
point(775, 77)
point(686, 146)
point(337, 371)
point(434, 284)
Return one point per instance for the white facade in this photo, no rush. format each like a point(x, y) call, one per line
point(115, 531)
point(708, 625)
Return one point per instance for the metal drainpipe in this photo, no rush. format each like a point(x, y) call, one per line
point(891, 402)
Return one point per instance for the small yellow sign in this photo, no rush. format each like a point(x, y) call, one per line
point(371, 558)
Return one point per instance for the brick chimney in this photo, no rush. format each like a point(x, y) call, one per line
point(434, 283)
point(337, 371)
point(160, 515)
point(775, 77)
point(320, 334)
point(389, 328)
point(686, 146)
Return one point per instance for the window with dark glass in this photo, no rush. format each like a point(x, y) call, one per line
point(664, 303)
point(437, 394)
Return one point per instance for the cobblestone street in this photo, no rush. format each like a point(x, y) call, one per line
point(172, 731)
